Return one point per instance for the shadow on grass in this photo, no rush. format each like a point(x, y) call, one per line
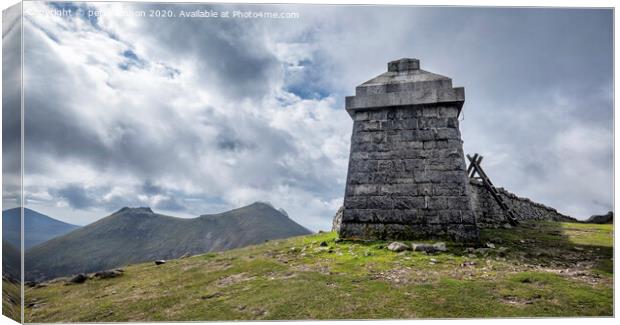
point(542, 243)
point(557, 244)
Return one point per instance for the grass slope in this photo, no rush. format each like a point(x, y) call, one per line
point(549, 269)
point(134, 235)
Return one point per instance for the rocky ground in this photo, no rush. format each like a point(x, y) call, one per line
point(545, 269)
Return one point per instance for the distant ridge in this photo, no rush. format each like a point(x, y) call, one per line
point(133, 235)
point(38, 227)
point(601, 219)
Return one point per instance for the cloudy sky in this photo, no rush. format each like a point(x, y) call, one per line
point(200, 115)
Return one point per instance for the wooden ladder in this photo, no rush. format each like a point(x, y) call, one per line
point(473, 169)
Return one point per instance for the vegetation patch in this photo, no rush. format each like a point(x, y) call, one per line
point(529, 271)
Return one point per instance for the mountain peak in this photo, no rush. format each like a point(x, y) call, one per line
point(138, 209)
point(262, 204)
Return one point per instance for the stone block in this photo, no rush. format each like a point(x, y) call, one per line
point(355, 202)
point(361, 116)
point(380, 202)
point(406, 202)
point(363, 190)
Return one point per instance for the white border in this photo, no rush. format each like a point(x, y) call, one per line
point(490, 3)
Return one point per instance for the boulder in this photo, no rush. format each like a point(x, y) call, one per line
point(108, 274)
point(422, 247)
point(397, 247)
point(80, 278)
point(31, 284)
point(440, 246)
point(337, 219)
point(160, 262)
point(430, 248)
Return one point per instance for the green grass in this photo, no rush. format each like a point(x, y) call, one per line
point(547, 269)
point(11, 303)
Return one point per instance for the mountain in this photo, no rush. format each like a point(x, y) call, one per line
point(11, 267)
point(134, 235)
point(37, 227)
point(602, 219)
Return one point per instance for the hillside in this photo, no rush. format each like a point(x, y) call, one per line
point(548, 269)
point(607, 218)
point(37, 227)
point(11, 261)
point(134, 235)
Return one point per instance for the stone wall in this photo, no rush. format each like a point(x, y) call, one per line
point(490, 215)
point(406, 176)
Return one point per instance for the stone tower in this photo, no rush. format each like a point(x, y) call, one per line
point(406, 176)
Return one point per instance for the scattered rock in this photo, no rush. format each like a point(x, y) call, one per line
point(323, 244)
point(502, 251)
point(440, 246)
point(108, 274)
point(397, 247)
point(497, 240)
point(481, 250)
point(468, 263)
point(80, 278)
point(506, 226)
point(433, 261)
point(422, 247)
point(31, 284)
point(428, 248)
point(490, 245)
point(160, 262)
point(577, 248)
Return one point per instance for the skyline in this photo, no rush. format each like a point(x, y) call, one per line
point(253, 110)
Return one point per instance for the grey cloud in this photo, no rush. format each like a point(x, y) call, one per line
point(229, 56)
point(11, 107)
point(169, 204)
point(149, 188)
point(77, 196)
point(81, 197)
point(530, 75)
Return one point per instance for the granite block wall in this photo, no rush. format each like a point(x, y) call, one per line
point(490, 215)
point(406, 176)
